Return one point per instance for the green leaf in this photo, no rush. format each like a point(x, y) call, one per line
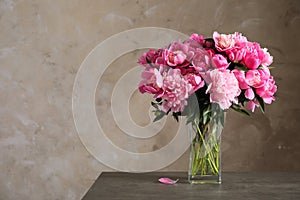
point(206, 113)
point(205, 119)
point(154, 105)
point(241, 67)
point(243, 111)
point(238, 108)
point(189, 118)
point(175, 115)
point(261, 103)
point(149, 61)
point(158, 115)
point(270, 67)
point(158, 100)
point(222, 118)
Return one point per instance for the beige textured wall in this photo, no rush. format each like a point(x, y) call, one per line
point(42, 45)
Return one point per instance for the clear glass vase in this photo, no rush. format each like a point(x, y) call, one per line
point(205, 148)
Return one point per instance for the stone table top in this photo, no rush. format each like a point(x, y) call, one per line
point(144, 186)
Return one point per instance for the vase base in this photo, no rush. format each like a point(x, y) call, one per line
point(204, 179)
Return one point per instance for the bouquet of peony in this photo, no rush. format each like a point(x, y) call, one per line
point(200, 78)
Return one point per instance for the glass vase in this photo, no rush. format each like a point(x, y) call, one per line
point(205, 148)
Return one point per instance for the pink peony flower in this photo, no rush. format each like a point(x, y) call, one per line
point(223, 87)
point(195, 81)
point(142, 60)
point(154, 56)
point(208, 44)
point(193, 46)
point(236, 54)
point(176, 91)
point(177, 54)
point(266, 70)
point(152, 82)
point(198, 38)
point(256, 78)
point(239, 38)
point(223, 42)
point(201, 61)
point(251, 61)
point(240, 76)
point(266, 92)
point(226, 65)
point(210, 52)
point(250, 105)
point(267, 59)
point(254, 55)
point(219, 61)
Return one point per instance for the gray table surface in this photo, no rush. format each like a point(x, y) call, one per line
point(140, 186)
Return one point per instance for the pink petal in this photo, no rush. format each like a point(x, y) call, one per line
point(159, 79)
point(167, 181)
point(249, 94)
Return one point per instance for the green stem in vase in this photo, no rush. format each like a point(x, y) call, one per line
point(209, 153)
point(209, 163)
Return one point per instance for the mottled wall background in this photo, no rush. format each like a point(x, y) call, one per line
point(42, 45)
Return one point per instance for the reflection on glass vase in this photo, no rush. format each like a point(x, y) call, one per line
point(205, 148)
